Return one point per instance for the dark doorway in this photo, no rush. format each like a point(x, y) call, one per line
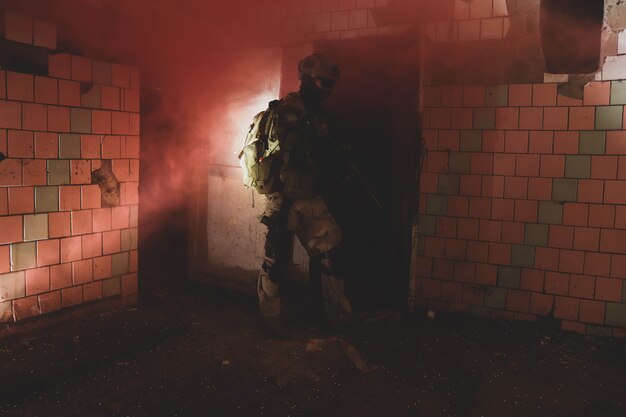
point(376, 104)
point(571, 34)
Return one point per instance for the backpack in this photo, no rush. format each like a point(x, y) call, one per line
point(258, 156)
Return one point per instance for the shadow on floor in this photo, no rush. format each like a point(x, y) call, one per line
point(201, 352)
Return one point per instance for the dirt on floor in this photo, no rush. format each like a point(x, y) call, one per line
point(202, 352)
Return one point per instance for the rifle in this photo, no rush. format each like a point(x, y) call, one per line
point(353, 172)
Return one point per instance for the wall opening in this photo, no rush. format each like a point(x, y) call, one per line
point(571, 32)
point(375, 102)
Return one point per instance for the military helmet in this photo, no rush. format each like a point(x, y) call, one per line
point(318, 67)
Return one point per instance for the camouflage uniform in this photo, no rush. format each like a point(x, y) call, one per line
point(306, 172)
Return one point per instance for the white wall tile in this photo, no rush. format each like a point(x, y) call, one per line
point(614, 68)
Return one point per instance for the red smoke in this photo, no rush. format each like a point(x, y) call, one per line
point(199, 86)
point(204, 76)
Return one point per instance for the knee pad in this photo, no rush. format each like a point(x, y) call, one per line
point(276, 240)
point(267, 221)
point(269, 267)
point(326, 261)
point(329, 262)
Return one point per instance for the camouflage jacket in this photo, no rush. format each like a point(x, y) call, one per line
point(308, 151)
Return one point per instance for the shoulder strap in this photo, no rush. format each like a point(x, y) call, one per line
point(263, 132)
point(266, 116)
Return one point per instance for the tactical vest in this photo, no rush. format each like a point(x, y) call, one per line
point(303, 141)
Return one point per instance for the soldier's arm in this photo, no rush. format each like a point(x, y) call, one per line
point(290, 127)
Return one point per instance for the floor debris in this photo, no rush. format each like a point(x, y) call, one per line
point(315, 345)
point(203, 352)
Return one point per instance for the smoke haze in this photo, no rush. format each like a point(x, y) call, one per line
point(204, 76)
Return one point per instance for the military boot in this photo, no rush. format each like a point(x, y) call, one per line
point(269, 306)
point(337, 306)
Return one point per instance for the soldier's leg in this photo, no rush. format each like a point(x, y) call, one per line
point(337, 306)
point(273, 269)
point(269, 299)
point(321, 236)
point(276, 256)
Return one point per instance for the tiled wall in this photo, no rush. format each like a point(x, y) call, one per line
point(59, 246)
point(523, 199)
point(523, 193)
point(523, 203)
point(299, 21)
point(478, 19)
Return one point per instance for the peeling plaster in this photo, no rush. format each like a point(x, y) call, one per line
point(616, 14)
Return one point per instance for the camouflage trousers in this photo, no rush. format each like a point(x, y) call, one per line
point(319, 234)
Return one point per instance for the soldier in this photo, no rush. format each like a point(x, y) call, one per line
point(306, 167)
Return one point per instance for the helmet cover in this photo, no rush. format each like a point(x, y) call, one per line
point(318, 66)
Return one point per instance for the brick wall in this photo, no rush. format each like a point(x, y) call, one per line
point(300, 21)
point(59, 245)
point(523, 195)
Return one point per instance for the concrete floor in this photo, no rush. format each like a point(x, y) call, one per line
point(201, 352)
